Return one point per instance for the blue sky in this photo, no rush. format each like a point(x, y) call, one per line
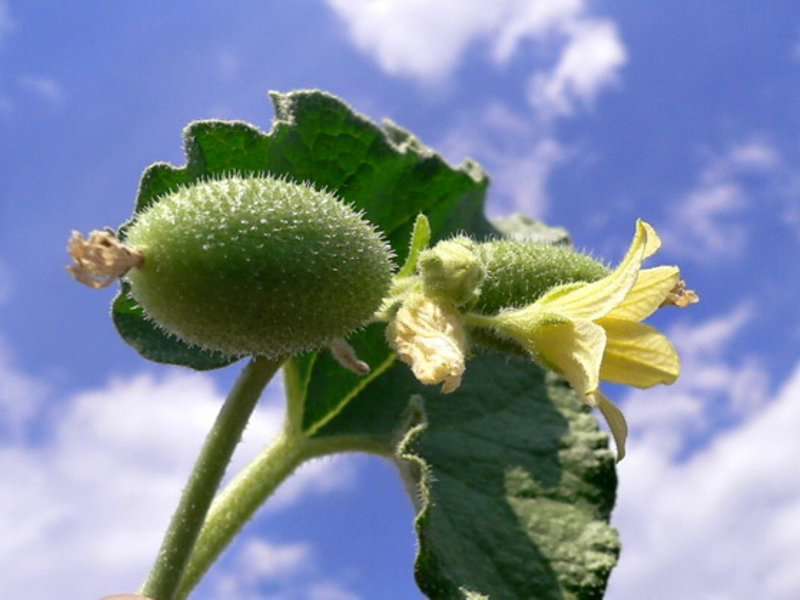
point(586, 114)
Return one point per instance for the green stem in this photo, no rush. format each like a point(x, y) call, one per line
point(240, 500)
point(479, 320)
point(251, 488)
point(188, 519)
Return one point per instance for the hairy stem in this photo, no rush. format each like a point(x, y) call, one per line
point(187, 521)
point(251, 488)
point(240, 500)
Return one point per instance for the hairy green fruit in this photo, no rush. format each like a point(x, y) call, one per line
point(518, 274)
point(259, 266)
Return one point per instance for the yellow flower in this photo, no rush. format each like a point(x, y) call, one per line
point(431, 338)
point(592, 331)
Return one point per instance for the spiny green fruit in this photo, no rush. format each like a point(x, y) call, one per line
point(519, 273)
point(257, 265)
point(491, 276)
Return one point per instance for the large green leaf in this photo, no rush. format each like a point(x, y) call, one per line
point(515, 481)
point(316, 137)
point(515, 485)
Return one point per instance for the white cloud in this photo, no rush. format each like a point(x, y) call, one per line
point(428, 39)
point(44, 88)
point(83, 511)
point(522, 179)
point(519, 155)
point(287, 571)
point(21, 398)
point(273, 561)
point(706, 511)
point(420, 38)
point(260, 562)
point(590, 62)
point(576, 56)
point(706, 221)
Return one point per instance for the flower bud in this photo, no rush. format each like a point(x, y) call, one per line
point(451, 271)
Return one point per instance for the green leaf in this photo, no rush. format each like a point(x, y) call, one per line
point(516, 485)
point(527, 229)
point(420, 238)
point(316, 137)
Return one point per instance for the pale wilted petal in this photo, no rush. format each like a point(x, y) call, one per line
point(432, 340)
point(100, 259)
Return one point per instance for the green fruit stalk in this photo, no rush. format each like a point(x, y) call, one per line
point(257, 266)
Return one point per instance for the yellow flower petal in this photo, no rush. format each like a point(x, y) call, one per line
point(652, 241)
point(651, 289)
point(594, 300)
point(574, 349)
point(616, 422)
point(637, 354)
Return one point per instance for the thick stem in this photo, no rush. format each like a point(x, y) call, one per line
point(188, 519)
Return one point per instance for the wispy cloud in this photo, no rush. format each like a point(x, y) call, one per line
point(44, 88)
point(590, 61)
point(83, 511)
point(21, 398)
point(707, 222)
point(427, 40)
point(519, 154)
point(265, 569)
point(710, 511)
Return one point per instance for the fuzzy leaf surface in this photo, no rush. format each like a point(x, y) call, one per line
point(515, 485)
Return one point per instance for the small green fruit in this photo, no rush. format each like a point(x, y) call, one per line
point(518, 274)
point(259, 266)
